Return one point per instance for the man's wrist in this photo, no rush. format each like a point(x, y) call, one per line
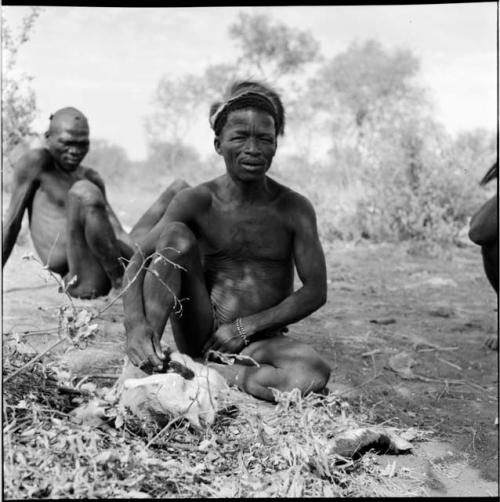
point(240, 329)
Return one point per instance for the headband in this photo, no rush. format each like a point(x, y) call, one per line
point(245, 98)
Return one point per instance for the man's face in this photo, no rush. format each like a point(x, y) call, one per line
point(248, 143)
point(68, 141)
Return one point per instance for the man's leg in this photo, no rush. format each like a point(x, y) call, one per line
point(152, 216)
point(174, 286)
point(284, 364)
point(490, 262)
point(92, 248)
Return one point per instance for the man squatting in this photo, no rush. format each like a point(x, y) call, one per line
point(229, 246)
point(73, 228)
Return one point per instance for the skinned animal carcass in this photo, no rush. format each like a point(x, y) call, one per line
point(189, 389)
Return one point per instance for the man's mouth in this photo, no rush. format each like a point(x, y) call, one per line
point(73, 160)
point(252, 165)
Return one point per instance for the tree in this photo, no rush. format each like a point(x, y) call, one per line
point(269, 50)
point(18, 98)
point(175, 105)
point(217, 78)
point(273, 49)
point(367, 78)
point(110, 160)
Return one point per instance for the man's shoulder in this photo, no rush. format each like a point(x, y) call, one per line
point(197, 197)
point(290, 198)
point(35, 156)
point(33, 162)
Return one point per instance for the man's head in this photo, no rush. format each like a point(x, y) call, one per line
point(246, 125)
point(68, 137)
point(248, 94)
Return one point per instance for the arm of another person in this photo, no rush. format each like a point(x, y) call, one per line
point(311, 269)
point(25, 182)
point(142, 343)
point(484, 224)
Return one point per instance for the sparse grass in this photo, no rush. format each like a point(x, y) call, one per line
point(263, 451)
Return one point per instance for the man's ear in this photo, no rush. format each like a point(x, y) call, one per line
point(217, 145)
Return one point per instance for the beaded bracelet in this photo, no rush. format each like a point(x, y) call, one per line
point(241, 331)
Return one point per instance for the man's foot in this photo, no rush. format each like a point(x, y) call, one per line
point(114, 293)
point(229, 372)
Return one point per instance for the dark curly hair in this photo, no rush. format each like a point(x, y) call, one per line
point(248, 94)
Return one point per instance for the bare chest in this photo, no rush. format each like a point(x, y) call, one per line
point(258, 233)
point(52, 193)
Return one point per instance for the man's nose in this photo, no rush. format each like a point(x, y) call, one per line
point(251, 146)
point(75, 149)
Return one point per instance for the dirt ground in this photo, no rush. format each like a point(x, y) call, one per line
point(404, 335)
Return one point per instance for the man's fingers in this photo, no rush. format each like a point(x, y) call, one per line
point(157, 347)
point(145, 359)
point(154, 361)
point(134, 358)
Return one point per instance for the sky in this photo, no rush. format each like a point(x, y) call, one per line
point(108, 61)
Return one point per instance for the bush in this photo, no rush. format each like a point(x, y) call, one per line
point(429, 199)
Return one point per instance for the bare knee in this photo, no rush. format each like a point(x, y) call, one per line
point(310, 373)
point(177, 238)
point(171, 191)
point(297, 367)
point(87, 193)
point(90, 287)
point(315, 374)
point(177, 185)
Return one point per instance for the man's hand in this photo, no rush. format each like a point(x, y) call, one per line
point(143, 347)
point(225, 339)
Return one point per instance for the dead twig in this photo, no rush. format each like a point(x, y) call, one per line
point(163, 430)
point(228, 358)
point(449, 364)
point(435, 347)
point(34, 360)
point(145, 260)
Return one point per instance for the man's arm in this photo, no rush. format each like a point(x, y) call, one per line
point(484, 224)
point(25, 183)
point(311, 269)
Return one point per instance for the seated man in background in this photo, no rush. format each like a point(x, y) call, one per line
point(483, 231)
point(223, 261)
point(73, 228)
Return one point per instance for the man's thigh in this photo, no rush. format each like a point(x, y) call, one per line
point(154, 213)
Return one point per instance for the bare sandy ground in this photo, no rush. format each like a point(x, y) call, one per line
point(404, 336)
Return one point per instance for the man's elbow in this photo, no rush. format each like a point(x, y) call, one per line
point(320, 298)
point(481, 235)
point(475, 235)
